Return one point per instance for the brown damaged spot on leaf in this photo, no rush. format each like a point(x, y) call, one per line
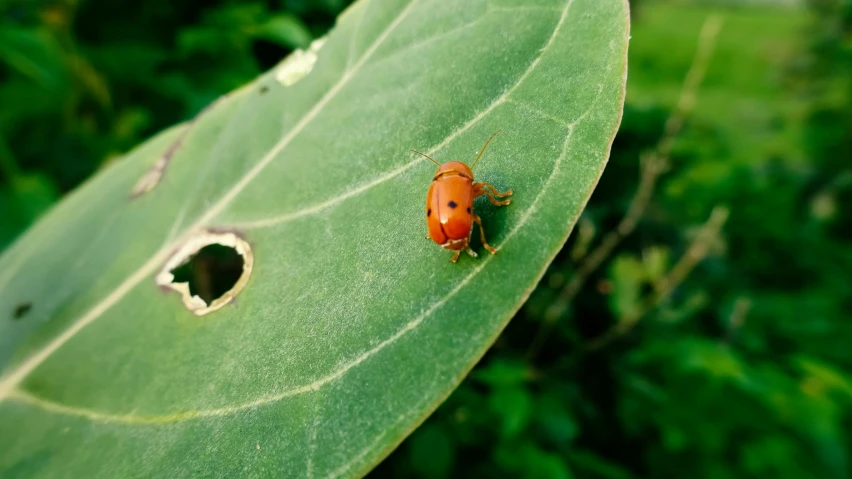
point(154, 175)
point(187, 251)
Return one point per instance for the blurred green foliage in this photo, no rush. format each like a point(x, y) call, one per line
point(745, 370)
point(82, 81)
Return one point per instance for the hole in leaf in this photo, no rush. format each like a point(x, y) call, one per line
point(211, 272)
point(208, 271)
point(21, 310)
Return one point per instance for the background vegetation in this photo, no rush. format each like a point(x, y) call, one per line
point(697, 322)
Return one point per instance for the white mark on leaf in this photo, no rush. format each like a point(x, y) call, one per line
point(500, 100)
point(298, 64)
point(9, 382)
point(7, 386)
point(154, 175)
point(316, 385)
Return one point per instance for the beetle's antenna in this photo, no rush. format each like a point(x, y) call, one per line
point(427, 156)
point(484, 147)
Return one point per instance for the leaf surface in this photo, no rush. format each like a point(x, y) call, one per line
point(351, 327)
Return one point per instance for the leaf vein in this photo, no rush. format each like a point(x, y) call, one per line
point(532, 109)
point(8, 388)
point(317, 384)
point(10, 381)
point(356, 30)
point(266, 222)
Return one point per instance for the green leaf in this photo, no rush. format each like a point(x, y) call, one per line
point(503, 373)
point(286, 30)
point(514, 408)
point(344, 328)
point(526, 460)
point(596, 466)
point(555, 420)
point(432, 452)
point(33, 53)
point(543, 465)
point(628, 276)
point(656, 262)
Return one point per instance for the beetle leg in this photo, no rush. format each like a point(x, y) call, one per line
point(482, 235)
point(480, 189)
point(498, 203)
point(459, 246)
point(481, 185)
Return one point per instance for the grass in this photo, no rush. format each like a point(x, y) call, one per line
point(745, 95)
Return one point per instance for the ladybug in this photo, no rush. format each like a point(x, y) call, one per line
point(449, 204)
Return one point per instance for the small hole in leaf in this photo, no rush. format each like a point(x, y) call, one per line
point(21, 310)
point(211, 272)
point(208, 270)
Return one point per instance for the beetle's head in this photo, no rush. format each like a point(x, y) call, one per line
point(454, 167)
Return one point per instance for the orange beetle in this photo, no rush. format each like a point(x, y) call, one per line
point(449, 204)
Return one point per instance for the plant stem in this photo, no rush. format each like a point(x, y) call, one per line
point(653, 163)
point(696, 252)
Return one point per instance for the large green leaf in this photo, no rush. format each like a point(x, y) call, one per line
point(351, 327)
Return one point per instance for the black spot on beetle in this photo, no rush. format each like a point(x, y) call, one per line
point(21, 310)
point(452, 204)
point(468, 210)
point(429, 212)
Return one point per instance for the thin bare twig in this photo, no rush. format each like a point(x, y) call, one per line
point(653, 163)
point(696, 252)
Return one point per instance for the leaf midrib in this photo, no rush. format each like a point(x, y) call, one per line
point(10, 382)
point(318, 383)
